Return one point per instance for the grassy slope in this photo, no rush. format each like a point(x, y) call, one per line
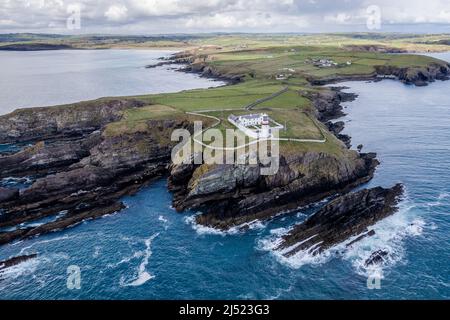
point(260, 58)
point(266, 63)
point(260, 66)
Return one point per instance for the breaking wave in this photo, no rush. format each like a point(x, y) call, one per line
point(142, 274)
point(20, 270)
point(204, 230)
point(389, 238)
point(295, 261)
point(390, 235)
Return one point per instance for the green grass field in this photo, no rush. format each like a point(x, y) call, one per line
point(259, 59)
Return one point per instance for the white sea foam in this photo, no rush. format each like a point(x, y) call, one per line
point(280, 231)
point(390, 235)
point(20, 270)
point(142, 279)
point(97, 250)
point(280, 291)
point(297, 260)
point(204, 230)
point(444, 195)
point(109, 215)
point(440, 200)
point(29, 267)
point(162, 219)
point(37, 243)
point(136, 255)
point(142, 274)
point(252, 225)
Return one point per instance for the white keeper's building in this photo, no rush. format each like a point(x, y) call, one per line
point(260, 123)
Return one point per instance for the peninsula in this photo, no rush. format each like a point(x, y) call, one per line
point(84, 157)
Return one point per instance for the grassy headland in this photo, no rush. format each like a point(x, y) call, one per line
point(265, 69)
point(110, 147)
point(264, 65)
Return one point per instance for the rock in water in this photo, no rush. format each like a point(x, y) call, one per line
point(347, 216)
point(378, 257)
point(15, 261)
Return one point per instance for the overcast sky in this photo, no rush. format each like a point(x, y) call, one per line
point(189, 16)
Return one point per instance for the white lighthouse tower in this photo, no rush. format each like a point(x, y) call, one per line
point(265, 127)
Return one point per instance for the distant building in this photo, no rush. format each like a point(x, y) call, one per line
point(324, 63)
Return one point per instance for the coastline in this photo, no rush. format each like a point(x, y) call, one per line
point(329, 107)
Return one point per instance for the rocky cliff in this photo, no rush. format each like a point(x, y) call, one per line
point(83, 178)
point(417, 75)
point(81, 170)
point(63, 121)
point(420, 76)
point(344, 217)
point(230, 195)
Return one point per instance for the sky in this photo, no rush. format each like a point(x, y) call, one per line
point(203, 16)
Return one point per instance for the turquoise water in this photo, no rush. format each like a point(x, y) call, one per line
point(148, 251)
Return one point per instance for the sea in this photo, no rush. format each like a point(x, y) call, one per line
point(149, 251)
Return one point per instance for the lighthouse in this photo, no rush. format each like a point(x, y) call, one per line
point(265, 127)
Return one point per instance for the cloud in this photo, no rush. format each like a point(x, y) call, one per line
point(116, 13)
point(181, 16)
point(339, 18)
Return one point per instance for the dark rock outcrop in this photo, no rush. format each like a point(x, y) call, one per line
point(417, 76)
point(85, 172)
point(114, 166)
point(328, 102)
point(344, 217)
point(8, 194)
point(368, 234)
point(376, 258)
point(77, 120)
point(47, 157)
point(208, 71)
point(336, 128)
point(231, 195)
point(197, 63)
point(15, 261)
